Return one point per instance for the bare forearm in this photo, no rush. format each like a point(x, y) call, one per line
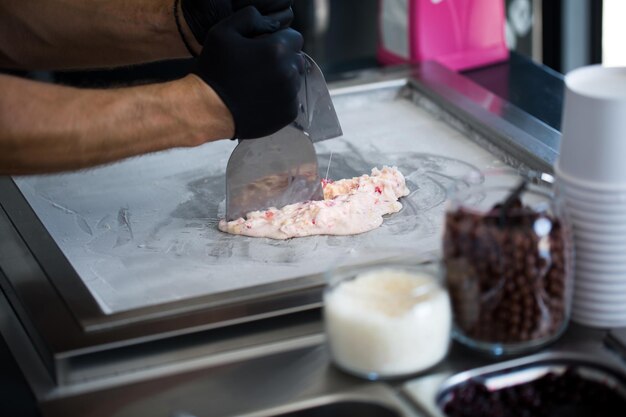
point(55, 34)
point(46, 128)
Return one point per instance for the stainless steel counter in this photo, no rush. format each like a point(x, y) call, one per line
point(293, 375)
point(224, 351)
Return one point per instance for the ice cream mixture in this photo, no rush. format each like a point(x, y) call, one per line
point(350, 206)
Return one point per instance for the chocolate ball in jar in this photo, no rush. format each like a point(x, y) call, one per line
point(508, 259)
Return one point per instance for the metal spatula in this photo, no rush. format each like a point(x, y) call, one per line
point(281, 169)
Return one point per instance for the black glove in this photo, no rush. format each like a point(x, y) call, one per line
point(255, 68)
point(201, 15)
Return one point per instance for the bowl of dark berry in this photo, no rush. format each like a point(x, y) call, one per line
point(508, 257)
point(550, 387)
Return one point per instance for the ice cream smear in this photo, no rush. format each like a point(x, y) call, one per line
point(388, 322)
point(350, 206)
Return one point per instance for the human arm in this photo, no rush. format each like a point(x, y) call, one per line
point(64, 34)
point(56, 34)
point(46, 128)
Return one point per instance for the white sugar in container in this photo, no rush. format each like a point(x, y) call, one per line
point(386, 320)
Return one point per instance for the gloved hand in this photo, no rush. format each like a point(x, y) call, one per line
point(255, 67)
point(201, 15)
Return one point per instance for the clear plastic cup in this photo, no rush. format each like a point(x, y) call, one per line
point(592, 146)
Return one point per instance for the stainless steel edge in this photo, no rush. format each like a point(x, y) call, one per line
point(538, 359)
point(514, 132)
point(33, 366)
point(376, 393)
point(517, 133)
point(291, 375)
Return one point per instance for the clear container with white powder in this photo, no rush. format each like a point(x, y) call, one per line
point(387, 319)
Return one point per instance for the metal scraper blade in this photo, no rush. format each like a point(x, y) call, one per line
point(317, 117)
point(273, 171)
point(282, 169)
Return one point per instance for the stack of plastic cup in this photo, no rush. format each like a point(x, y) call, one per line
point(591, 175)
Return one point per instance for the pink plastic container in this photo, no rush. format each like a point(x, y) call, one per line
point(460, 34)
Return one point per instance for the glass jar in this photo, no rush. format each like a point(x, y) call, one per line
point(387, 319)
point(508, 265)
